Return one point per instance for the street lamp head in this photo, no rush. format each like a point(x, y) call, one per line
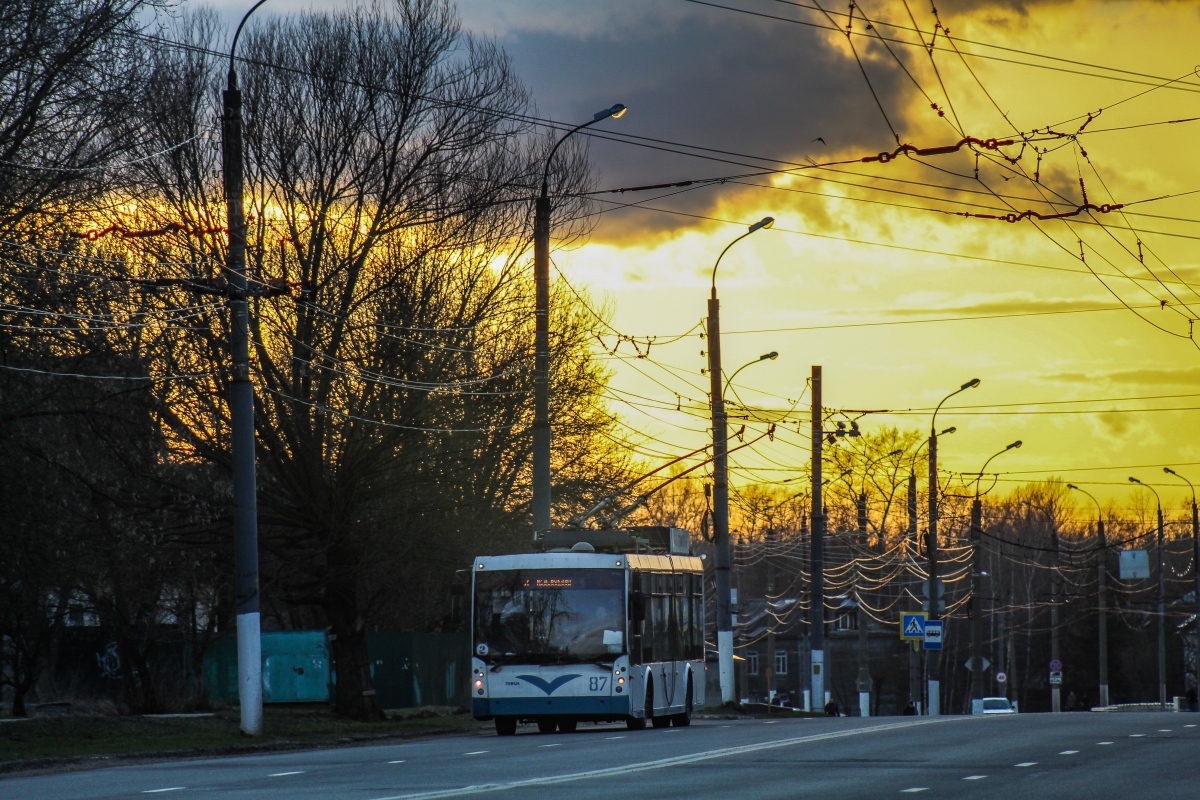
point(1169, 471)
point(765, 222)
point(1015, 445)
point(771, 356)
point(1073, 486)
point(895, 452)
point(971, 384)
point(616, 112)
point(1133, 479)
point(951, 429)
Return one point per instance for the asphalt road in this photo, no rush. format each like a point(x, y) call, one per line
point(1083, 755)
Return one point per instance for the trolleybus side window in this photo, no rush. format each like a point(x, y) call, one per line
point(697, 601)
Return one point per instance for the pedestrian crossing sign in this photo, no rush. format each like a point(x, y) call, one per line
point(912, 625)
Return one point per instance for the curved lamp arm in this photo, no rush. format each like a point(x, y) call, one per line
point(765, 222)
point(771, 356)
point(1148, 486)
point(233, 47)
point(616, 112)
point(1170, 471)
point(983, 469)
point(1089, 494)
point(971, 384)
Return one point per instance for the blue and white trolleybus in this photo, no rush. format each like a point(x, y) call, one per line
point(601, 626)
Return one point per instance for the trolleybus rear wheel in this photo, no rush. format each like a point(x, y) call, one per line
point(567, 725)
point(506, 726)
point(547, 724)
point(684, 719)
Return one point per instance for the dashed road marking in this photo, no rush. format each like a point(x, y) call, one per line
point(1103, 742)
point(914, 790)
point(614, 737)
point(974, 777)
point(1164, 730)
point(282, 774)
point(168, 789)
point(476, 752)
point(770, 722)
point(401, 761)
point(1068, 752)
point(1136, 735)
point(1189, 726)
point(559, 744)
point(1026, 764)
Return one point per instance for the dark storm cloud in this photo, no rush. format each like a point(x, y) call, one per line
point(1135, 376)
point(709, 78)
point(1016, 305)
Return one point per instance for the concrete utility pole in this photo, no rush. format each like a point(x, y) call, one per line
point(1101, 592)
point(976, 600)
point(241, 411)
point(863, 682)
point(977, 580)
point(935, 703)
point(816, 596)
point(541, 334)
point(914, 656)
point(1162, 631)
point(770, 616)
point(1195, 566)
point(721, 474)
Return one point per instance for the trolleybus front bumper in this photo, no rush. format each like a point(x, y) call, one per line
point(599, 708)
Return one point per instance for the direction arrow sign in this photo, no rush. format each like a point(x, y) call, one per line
point(933, 634)
point(971, 661)
point(912, 625)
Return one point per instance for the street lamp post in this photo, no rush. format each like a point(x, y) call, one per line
point(1101, 592)
point(1195, 566)
point(1162, 631)
point(721, 474)
point(541, 366)
point(241, 410)
point(1056, 588)
point(934, 684)
point(976, 580)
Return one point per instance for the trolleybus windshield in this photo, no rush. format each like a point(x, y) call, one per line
point(549, 615)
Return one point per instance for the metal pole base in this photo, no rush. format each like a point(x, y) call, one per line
point(864, 704)
point(935, 698)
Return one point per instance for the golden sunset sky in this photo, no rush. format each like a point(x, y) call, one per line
point(857, 262)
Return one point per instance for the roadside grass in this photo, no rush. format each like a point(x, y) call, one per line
point(47, 741)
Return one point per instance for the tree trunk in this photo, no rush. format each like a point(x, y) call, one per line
point(354, 694)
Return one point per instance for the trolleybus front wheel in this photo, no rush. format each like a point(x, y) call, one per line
point(567, 725)
point(506, 726)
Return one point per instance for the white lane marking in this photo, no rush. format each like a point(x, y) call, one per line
point(1136, 735)
point(281, 774)
point(662, 763)
point(1026, 764)
point(974, 777)
point(1068, 752)
point(1189, 726)
point(401, 761)
point(914, 790)
point(724, 726)
point(168, 789)
point(559, 744)
point(770, 722)
point(476, 753)
point(1103, 742)
point(1164, 730)
point(610, 738)
point(671, 730)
